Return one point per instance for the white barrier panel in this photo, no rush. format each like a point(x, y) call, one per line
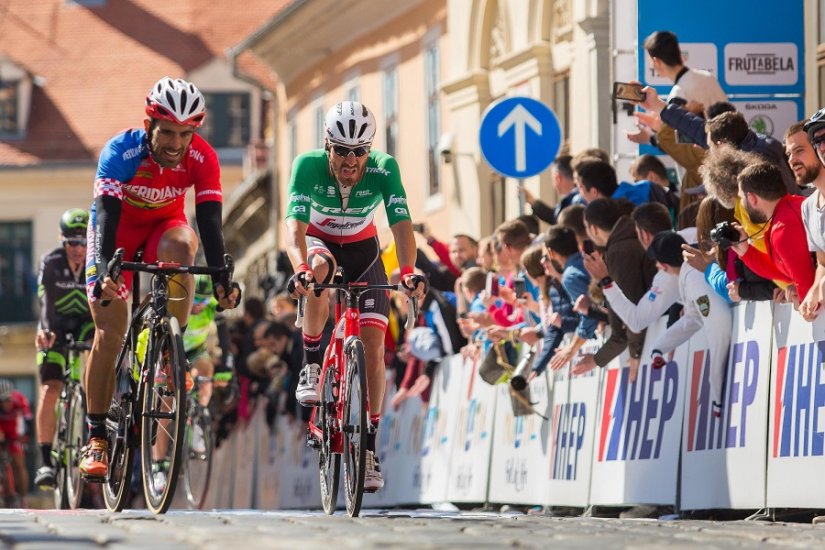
point(473, 442)
point(573, 428)
point(268, 473)
point(521, 444)
point(796, 443)
point(439, 430)
point(387, 447)
point(297, 466)
point(723, 463)
point(639, 430)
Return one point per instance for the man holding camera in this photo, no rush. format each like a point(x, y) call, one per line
point(767, 202)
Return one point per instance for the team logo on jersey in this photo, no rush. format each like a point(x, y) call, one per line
point(132, 153)
point(363, 193)
point(154, 194)
point(330, 191)
point(401, 211)
point(299, 197)
point(395, 199)
point(197, 155)
point(704, 305)
point(299, 209)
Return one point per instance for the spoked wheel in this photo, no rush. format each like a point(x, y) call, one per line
point(198, 455)
point(163, 421)
point(329, 463)
point(122, 432)
point(77, 435)
point(355, 426)
point(59, 452)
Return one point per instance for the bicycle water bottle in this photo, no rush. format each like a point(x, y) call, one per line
point(140, 352)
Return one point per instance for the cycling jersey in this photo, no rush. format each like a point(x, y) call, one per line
point(315, 198)
point(197, 328)
point(151, 202)
point(64, 310)
point(13, 421)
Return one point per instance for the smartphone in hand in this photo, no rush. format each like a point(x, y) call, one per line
point(519, 287)
point(588, 247)
point(628, 91)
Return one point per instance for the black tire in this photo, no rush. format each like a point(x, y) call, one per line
point(197, 469)
point(355, 425)
point(164, 410)
point(122, 431)
point(60, 458)
point(77, 434)
point(329, 463)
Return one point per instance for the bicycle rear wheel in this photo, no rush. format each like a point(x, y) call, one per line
point(164, 416)
point(198, 455)
point(355, 425)
point(122, 431)
point(77, 434)
point(329, 463)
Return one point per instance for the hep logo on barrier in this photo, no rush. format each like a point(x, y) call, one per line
point(569, 420)
point(472, 424)
point(706, 432)
point(799, 398)
point(634, 415)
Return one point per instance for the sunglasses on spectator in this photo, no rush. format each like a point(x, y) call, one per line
point(818, 140)
point(202, 300)
point(78, 241)
point(343, 151)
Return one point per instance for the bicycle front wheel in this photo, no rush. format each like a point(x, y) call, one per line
point(198, 455)
point(329, 463)
point(60, 459)
point(121, 431)
point(164, 416)
point(77, 433)
point(355, 425)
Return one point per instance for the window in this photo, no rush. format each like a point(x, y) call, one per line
point(561, 103)
point(17, 275)
point(293, 140)
point(353, 94)
point(431, 61)
point(391, 109)
point(319, 125)
point(227, 122)
point(8, 107)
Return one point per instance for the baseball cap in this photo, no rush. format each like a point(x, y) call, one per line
point(666, 248)
point(696, 190)
point(424, 344)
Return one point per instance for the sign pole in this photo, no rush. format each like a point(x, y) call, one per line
point(521, 196)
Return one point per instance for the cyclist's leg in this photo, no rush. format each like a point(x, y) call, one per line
point(202, 366)
point(173, 240)
point(51, 365)
point(18, 464)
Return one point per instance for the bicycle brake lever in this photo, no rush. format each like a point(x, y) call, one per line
point(114, 270)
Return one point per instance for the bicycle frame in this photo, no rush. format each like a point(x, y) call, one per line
point(347, 327)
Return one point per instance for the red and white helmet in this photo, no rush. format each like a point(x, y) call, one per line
point(350, 123)
point(176, 100)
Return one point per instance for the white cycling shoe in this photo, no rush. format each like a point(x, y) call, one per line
point(309, 383)
point(373, 480)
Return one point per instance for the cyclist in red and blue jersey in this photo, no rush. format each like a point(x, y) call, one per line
point(142, 177)
point(333, 195)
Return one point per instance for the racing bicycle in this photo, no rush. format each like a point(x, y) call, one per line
point(339, 423)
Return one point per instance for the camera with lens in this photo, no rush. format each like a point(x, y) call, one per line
point(725, 235)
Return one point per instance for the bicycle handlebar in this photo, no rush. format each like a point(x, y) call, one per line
point(348, 288)
point(117, 265)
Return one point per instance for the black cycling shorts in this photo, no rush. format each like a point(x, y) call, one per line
point(52, 363)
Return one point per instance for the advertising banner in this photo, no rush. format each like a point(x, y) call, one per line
point(574, 403)
point(521, 447)
point(439, 430)
point(796, 437)
point(639, 430)
point(469, 471)
point(723, 463)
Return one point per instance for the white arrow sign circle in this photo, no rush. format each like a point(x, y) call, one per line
point(519, 118)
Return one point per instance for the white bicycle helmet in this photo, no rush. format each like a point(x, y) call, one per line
point(176, 100)
point(350, 123)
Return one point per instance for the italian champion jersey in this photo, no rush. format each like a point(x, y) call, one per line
point(127, 171)
point(315, 199)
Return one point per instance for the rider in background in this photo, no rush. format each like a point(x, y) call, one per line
point(142, 178)
point(14, 414)
point(64, 310)
point(333, 196)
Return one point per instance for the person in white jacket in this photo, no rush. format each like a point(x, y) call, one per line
point(704, 308)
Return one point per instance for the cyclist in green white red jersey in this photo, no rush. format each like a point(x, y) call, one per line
point(333, 195)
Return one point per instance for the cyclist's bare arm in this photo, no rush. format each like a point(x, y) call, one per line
point(405, 249)
point(296, 247)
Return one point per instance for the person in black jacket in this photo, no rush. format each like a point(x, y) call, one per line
point(565, 188)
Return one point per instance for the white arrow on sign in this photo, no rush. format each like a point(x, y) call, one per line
point(519, 117)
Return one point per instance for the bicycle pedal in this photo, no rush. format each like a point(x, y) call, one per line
point(92, 479)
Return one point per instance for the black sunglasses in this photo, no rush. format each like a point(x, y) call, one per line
point(343, 151)
point(75, 242)
point(818, 140)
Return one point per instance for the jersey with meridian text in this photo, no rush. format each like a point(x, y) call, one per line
point(315, 198)
point(147, 190)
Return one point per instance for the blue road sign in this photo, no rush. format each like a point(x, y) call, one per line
point(519, 136)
